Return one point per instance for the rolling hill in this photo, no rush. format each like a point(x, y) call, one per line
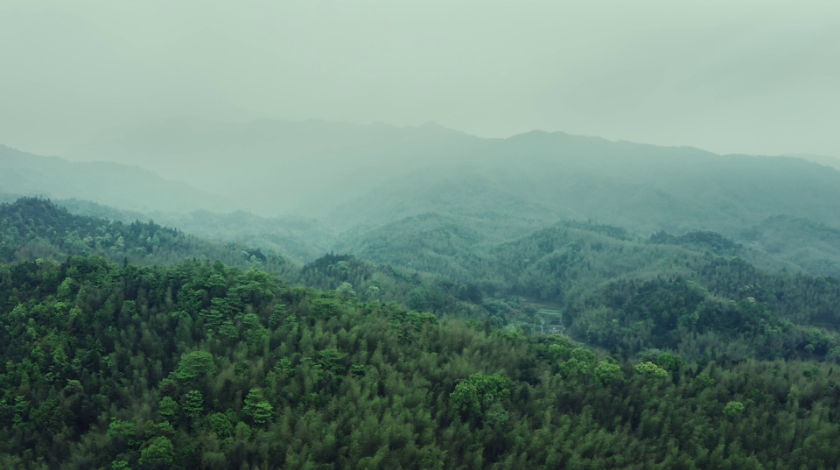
point(122, 186)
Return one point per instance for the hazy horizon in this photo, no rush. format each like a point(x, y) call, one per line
point(76, 152)
point(744, 77)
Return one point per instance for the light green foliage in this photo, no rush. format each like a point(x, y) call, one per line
point(220, 311)
point(474, 396)
point(670, 362)
point(573, 368)
point(59, 358)
point(325, 307)
point(812, 372)
point(278, 314)
point(21, 410)
point(194, 364)
point(372, 292)
point(559, 351)
point(252, 320)
point(168, 407)
point(257, 407)
point(122, 428)
point(346, 289)
point(607, 373)
point(284, 365)
point(159, 451)
point(228, 330)
point(120, 465)
point(330, 360)
point(704, 381)
point(164, 428)
point(74, 386)
point(19, 313)
point(651, 371)
point(580, 362)
point(193, 403)
point(733, 409)
point(584, 356)
point(256, 337)
point(496, 415)
point(65, 290)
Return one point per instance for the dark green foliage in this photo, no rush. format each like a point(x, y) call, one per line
point(220, 424)
point(204, 365)
point(665, 304)
point(699, 241)
point(133, 378)
point(605, 288)
point(158, 454)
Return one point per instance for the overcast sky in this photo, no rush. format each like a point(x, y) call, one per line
point(728, 76)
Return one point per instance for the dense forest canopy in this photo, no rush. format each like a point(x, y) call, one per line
point(206, 366)
point(579, 346)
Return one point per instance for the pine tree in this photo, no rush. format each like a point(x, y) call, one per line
point(168, 407)
point(193, 403)
point(257, 407)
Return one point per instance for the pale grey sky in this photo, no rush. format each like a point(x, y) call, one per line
point(728, 76)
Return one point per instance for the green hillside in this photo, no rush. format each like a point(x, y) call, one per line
point(578, 346)
point(208, 366)
point(594, 275)
point(34, 228)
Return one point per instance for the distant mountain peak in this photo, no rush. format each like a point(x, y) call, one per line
point(824, 160)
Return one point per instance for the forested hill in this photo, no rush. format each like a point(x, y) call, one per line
point(645, 188)
point(353, 179)
point(674, 352)
point(698, 294)
point(124, 186)
point(36, 228)
point(408, 171)
point(32, 229)
point(297, 238)
point(208, 366)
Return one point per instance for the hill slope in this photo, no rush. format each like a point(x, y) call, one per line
point(123, 186)
point(199, 366)
point(642, 187)
point(369, 175)
point(34, 228)
point(354, 179)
